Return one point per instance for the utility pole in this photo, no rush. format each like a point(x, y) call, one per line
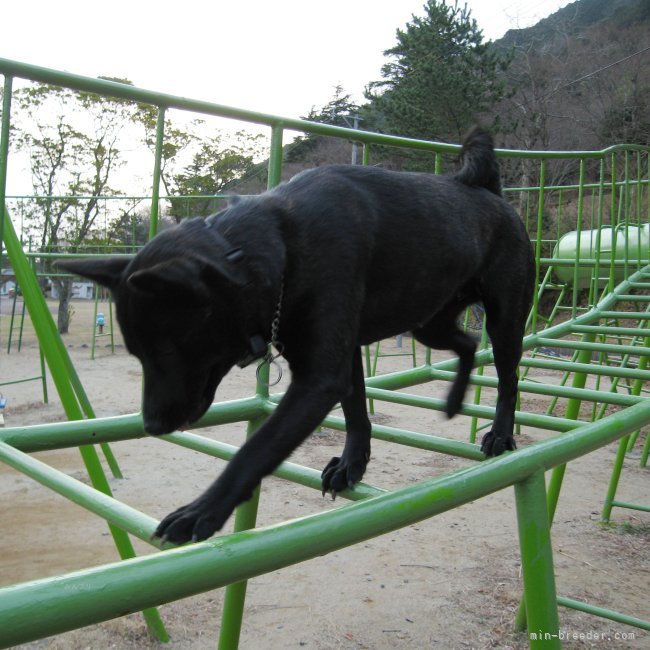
point(352, 121)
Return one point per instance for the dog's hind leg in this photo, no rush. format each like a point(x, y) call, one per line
point(344, 471)
point(442, 333)
point(505, 324)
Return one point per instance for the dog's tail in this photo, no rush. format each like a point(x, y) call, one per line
point(480, 166)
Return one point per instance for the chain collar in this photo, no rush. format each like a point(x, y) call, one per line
point(275, 324)
point(270, 359)
point(258, 346)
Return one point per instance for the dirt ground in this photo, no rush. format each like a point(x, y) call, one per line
point(450, 582)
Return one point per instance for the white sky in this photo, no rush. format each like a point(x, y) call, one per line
point(273, 56)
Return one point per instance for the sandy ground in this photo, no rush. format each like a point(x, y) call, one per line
point(451, 582)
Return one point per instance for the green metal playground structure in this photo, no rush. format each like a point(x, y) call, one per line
point(588, 328)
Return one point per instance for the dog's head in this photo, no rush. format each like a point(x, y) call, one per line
point(180, 307)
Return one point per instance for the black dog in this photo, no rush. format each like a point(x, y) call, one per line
point(338, 257)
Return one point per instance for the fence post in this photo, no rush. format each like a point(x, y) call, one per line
point(155, 189)
point(537, 562)
point(235, 593)
point(246, 514)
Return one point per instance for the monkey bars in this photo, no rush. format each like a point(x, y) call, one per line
point(591, 341)
point(101, 593)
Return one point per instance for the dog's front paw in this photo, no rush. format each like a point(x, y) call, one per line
point(191, 523)
point(342, 473)
point(495, 445)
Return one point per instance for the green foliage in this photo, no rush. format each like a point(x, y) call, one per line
point(440, 78)
point(73, 155)
point(214, 167)
point(129, 231)
point(339, 111)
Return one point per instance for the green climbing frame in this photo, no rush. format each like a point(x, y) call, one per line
point(583, 333)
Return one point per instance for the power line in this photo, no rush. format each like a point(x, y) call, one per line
point(595, 72)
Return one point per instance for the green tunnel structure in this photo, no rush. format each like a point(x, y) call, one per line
point(588, 329)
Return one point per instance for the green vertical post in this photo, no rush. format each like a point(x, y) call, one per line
point(576, 268)
point(235, 594)
point(477, 390)
point(437, 164)
point(157, 170)
point(623, 447)
point(94, 324)
point(12, 321)
point(557, 475)
point(537, 563)
point(371, 402)
point(572, 412)
point(43, 375)
point(65, 378)
point(614, 479)
point(645, 452)
point(594, 287)
point(275, 157)
point(612, 221)
point(626, 211)
point(4, 152)
point(246, 514)
point(365, 159)
point(538, 240)
point(110, 320)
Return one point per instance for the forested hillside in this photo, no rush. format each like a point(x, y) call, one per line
point(578, 79)
point(581, 77)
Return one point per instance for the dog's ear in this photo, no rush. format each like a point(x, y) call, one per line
point(177, 278)
point(106, 271)
point(231, 267)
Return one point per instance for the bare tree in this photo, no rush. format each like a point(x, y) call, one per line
point(73, 156)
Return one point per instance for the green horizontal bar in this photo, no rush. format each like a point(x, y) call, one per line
point(416, 440)
point(603, 613)
point(633, 298)
point(133, 521)
point(113, 511)
point(596, 347)
point(551, 390)
point(403, 436)
point(290, 471)
point(626, 315)
point(591, 186)
point(77, 255)
point(49, 606)
point(20, 381)
point(473, 410)
point(128, 92)
point(631, 506)
point(135, 94)
point(405, 378)
point(123, 427)
point(580, 262)
point(588, 368)
point(119, 197)
point(611, 331)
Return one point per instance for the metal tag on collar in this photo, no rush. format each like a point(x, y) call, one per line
point(257, 348)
